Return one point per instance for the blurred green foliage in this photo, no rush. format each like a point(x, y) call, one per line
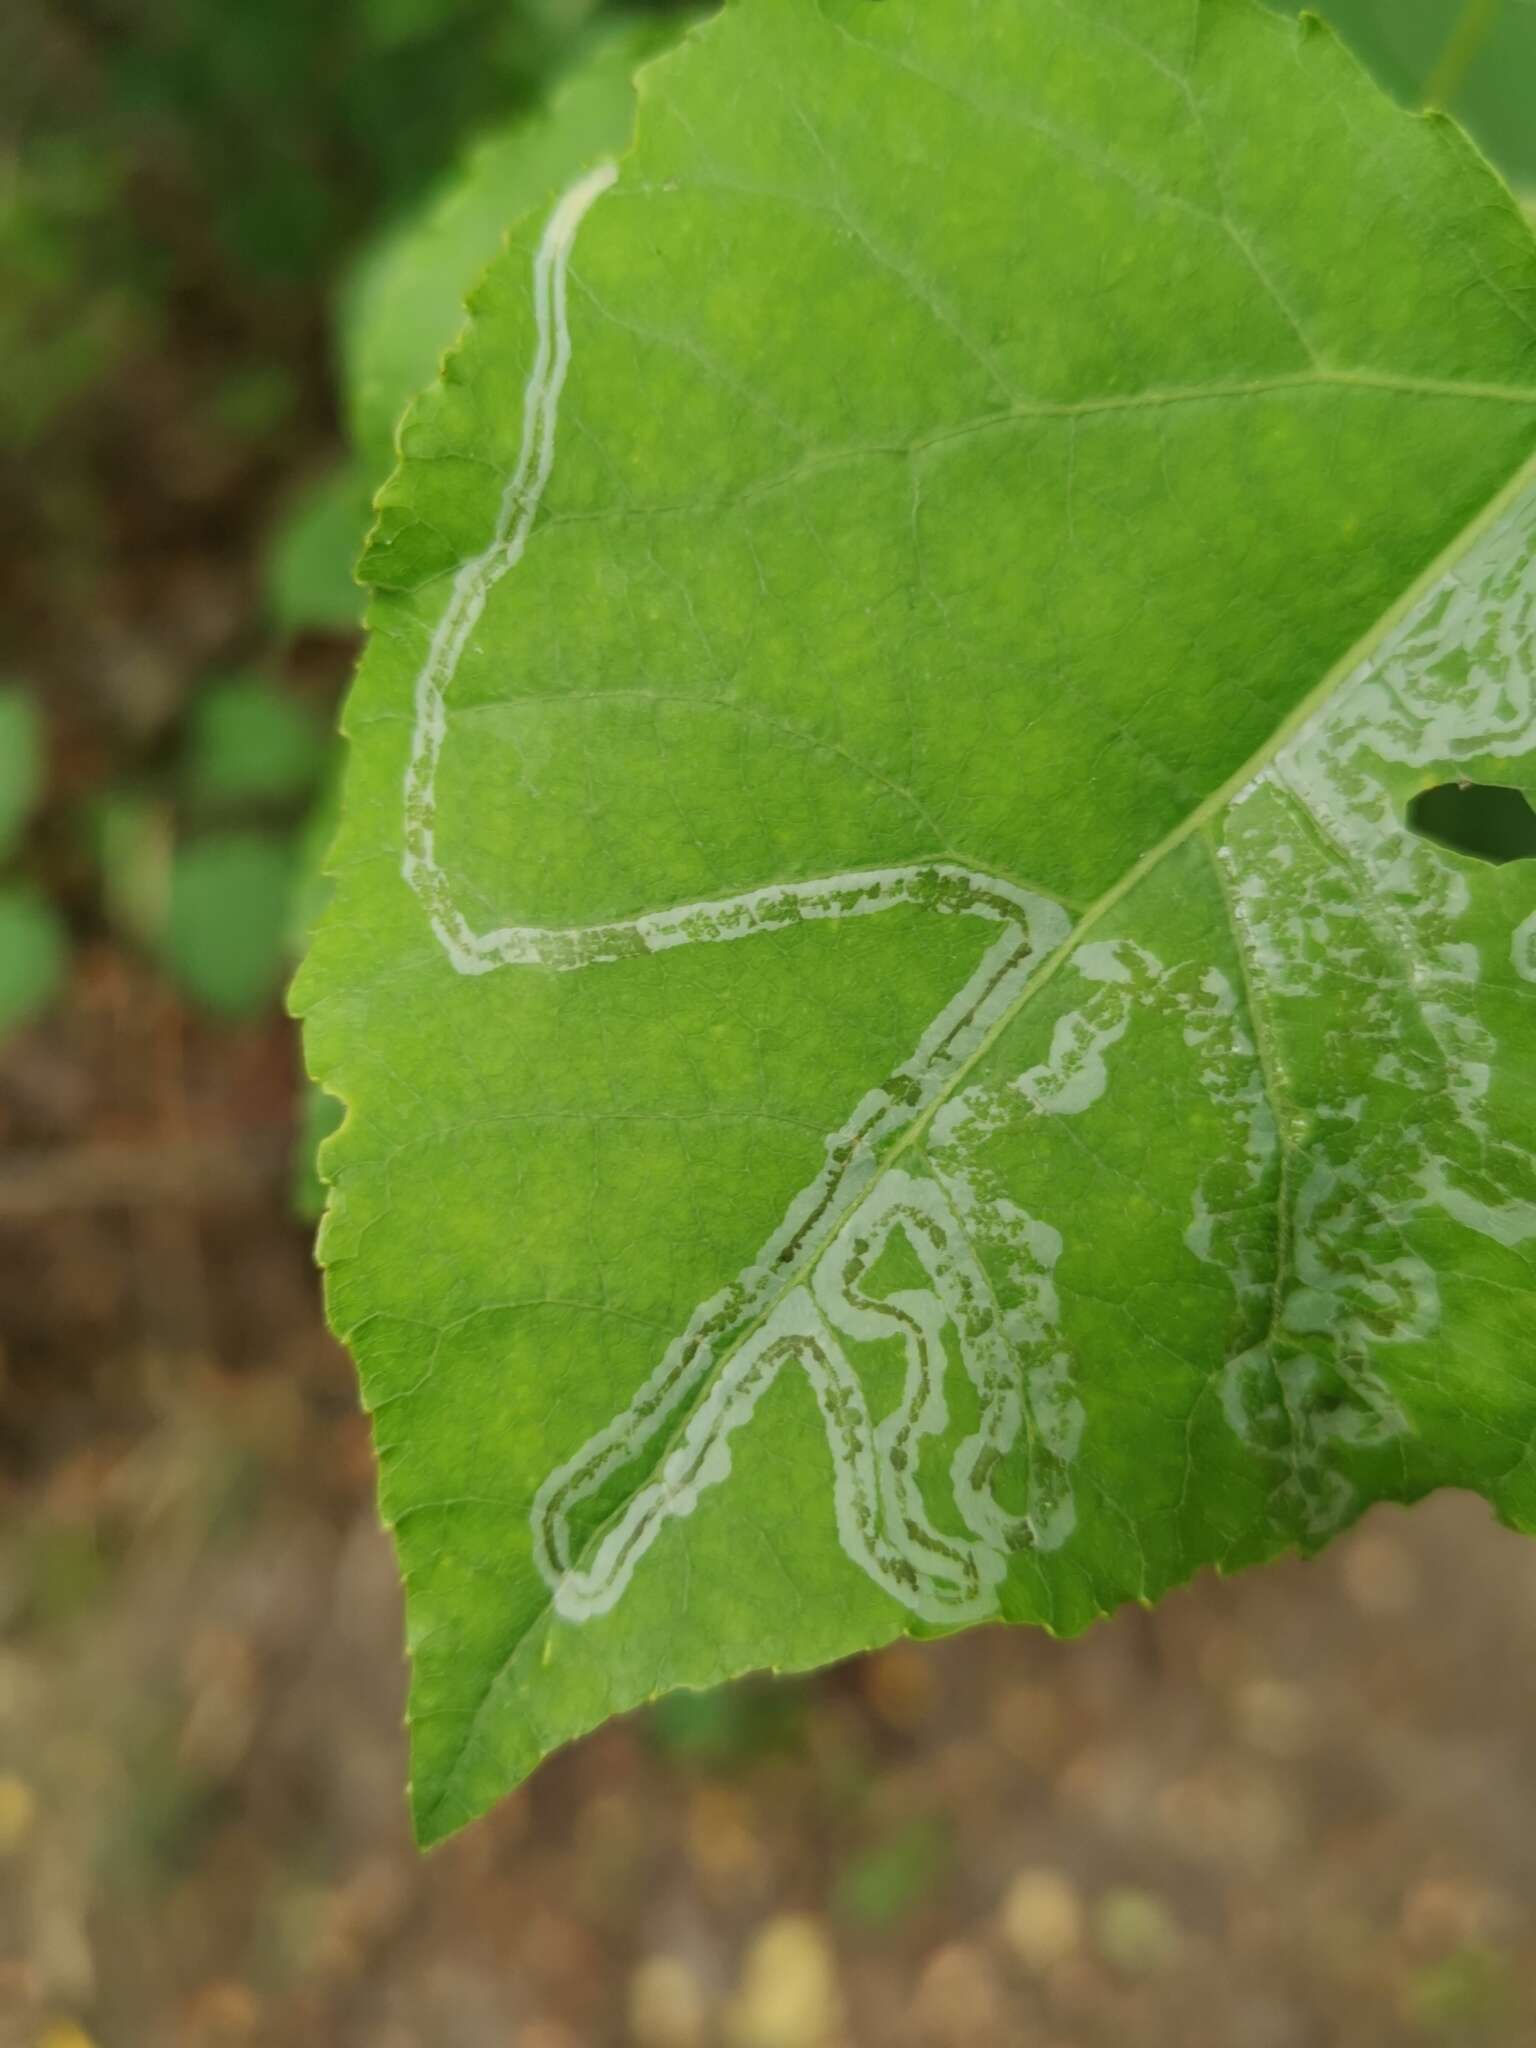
point(309, 581)
point(31, 954)
point(226, 926)
point(247, 743)
point(307, 120)
point(1474, 58)
point(156, 153)
point(21, 764)
point(881, 1884)
point(728, 1724)
point(63, 313)
point(253, 759)
point(213, 867)
point(1467, 1996)
point(31, 938)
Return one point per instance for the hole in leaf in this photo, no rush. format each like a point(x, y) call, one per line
point(1485, 819)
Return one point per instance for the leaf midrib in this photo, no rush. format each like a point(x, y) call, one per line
point(1520, 479)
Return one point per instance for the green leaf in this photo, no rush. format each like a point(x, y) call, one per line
point(32, 955)
point(227, 927)
point(903, 1063)
point(1476, 58)
point(879, 1887)
point(310, 585)
point(132, 840)
point(406, 302)
point(21, 763)
point(250, 744)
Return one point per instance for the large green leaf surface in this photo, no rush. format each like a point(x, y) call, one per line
point(903, 1065)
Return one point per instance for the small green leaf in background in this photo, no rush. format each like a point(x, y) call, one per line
point(310, 585)
point(59, 199)
point(132, 838)
point(904, 1062)
point(1470, 1996)
point(880, 1884)
point(254, 401)
point(226, 931)
point(247, 743)
point(218, 875)
point(32, 954)
point(32, 941)
point(729, 1724)
point(21, 763)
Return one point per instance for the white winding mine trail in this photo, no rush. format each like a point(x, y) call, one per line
point(802, 1295)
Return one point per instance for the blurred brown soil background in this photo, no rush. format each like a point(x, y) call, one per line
point(1288, 1811)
